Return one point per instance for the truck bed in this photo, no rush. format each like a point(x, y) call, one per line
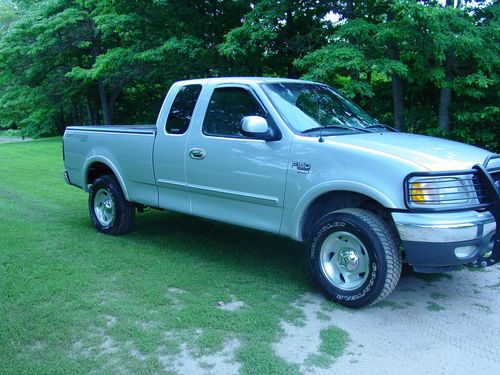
point(126, 149)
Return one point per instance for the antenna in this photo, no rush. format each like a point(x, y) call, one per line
point(321, 139)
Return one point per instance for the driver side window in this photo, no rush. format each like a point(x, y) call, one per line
point(226, 109)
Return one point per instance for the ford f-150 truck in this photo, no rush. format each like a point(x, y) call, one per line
point(298, 159)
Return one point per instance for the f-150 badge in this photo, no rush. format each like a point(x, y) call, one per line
point(301, 166)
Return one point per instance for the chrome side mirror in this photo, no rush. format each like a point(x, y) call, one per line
point(254, 125)
point(257, 127)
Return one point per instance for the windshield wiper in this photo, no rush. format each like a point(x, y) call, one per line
point(379, 125)
point(342, 127)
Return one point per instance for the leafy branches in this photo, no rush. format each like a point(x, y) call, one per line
point(103, 61)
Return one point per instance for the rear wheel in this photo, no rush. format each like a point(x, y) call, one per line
point(110, 212)
point(354, 257)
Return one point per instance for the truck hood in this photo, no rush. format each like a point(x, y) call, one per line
point(433, 154)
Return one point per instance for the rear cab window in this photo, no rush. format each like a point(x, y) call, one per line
point(182, 109)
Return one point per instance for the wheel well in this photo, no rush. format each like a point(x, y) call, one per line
point(336, 200)
point(96, 170)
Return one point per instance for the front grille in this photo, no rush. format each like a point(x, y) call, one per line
point(496, 179)
point(492, 163)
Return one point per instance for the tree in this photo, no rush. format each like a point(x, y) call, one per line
point(434, 50)
point(275, 33)
point(422, 66)
point(363, 51)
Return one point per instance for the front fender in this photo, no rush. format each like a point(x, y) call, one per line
point(297, 215)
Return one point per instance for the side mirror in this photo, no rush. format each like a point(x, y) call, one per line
point(256, 127)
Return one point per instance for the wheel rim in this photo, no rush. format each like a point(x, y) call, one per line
point(104, 207)
point(344, 260)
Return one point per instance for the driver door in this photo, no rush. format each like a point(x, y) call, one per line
point(232, 177)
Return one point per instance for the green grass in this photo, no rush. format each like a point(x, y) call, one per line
point(434, 307)
point(431, 278)
point(333, 343)
point(391, 305)
point(73, 300)
point(439, 296)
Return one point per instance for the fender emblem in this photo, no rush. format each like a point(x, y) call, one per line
point(302, 167)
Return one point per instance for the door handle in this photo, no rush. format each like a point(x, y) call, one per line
point(197, 153)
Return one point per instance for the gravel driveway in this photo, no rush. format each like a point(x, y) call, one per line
point(14, 139)
point(431, 324)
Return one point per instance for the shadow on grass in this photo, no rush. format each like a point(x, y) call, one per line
point(249, 251)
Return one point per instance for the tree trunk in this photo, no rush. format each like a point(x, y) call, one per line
point(446, 91)
point(289, 32)
point(444, 110)
point(79, 112)
point(74, 114)
point(397, 82)
point(260, 70)
point(112, 104)
point(349, 14)
point(398, 101)
point(106, 115)
point(60, 121)
point(91, 112)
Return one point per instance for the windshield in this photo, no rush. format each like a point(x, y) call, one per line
point(308, 107)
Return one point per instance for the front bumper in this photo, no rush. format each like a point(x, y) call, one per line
point(436, 241)
point(66, 177)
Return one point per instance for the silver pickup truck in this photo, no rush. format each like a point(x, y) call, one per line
point(298, 159)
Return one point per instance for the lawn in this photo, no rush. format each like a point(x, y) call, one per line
point(175, 290)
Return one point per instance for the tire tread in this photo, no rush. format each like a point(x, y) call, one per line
point(125, 211)
point(392, 254)
point(389, 251)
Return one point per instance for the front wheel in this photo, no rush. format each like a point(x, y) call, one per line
point(110, 212)
point(354, 257)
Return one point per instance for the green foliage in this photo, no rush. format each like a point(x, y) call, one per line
point(95, 61)
point(274, 33)
point(7, 14)
point(411, 39)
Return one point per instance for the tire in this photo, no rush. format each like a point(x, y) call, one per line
point(109, 211)
point(354, 257)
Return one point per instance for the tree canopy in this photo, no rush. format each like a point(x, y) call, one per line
point(423, 66)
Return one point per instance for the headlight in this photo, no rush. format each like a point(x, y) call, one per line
point(438, 191)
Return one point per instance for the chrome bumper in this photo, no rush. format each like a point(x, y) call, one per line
point(444, 227)
point(66, 177)
point(445, 239)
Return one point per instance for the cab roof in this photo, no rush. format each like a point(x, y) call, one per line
point(239, 80)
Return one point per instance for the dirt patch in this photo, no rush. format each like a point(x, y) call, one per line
point(189, 362)
point(180, 351)
point(174, 296)
point(233, 305)
point(435, 325)
point(431, 324)
point(110, 320)
point(14, 139)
